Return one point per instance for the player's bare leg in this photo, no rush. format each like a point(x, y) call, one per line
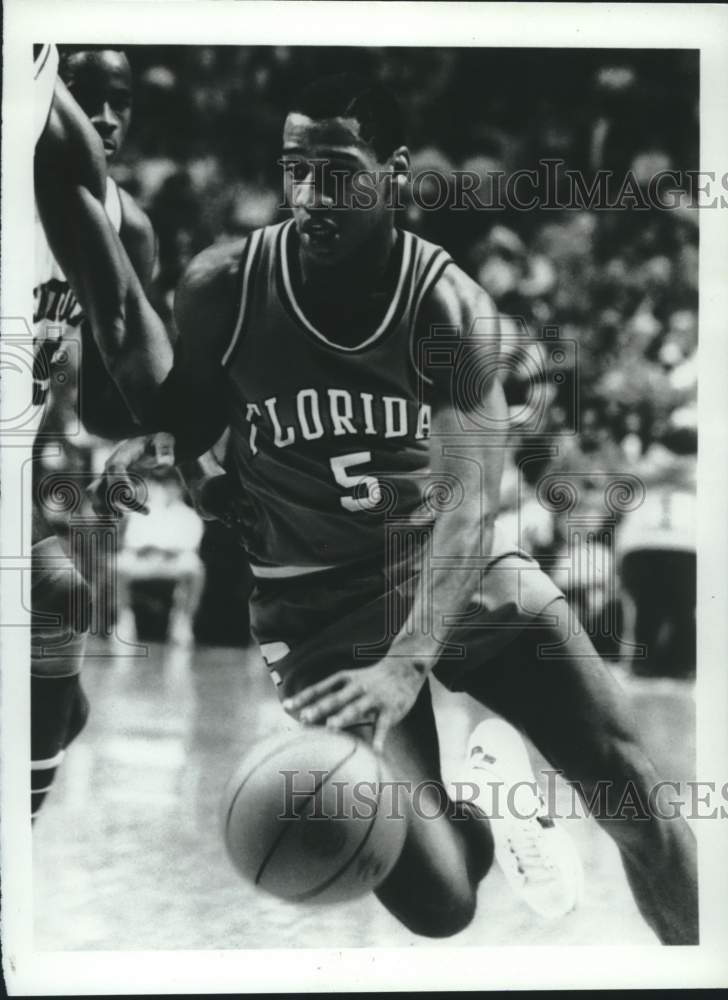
point(449, 847)
point(432, 888)
point(576, 715)
point(60, 601)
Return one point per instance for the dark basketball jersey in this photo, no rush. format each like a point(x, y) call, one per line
point(329, 443)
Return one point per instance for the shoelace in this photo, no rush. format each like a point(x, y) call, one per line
point(526, 849)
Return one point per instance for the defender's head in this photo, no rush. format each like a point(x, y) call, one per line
point(100, 80)
point(343, 158)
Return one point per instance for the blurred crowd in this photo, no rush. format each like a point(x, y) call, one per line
point(619, 285)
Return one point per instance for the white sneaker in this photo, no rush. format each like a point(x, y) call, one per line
point(538, 858)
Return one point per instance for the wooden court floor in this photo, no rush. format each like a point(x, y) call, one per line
point(127, 852)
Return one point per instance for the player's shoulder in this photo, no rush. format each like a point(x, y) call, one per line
point(207, 298)
point(457, 307)
point(456, 300)
point(213, 275)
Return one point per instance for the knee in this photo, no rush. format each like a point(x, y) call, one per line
point(448, 921)
point(434, 902)
point(440, 920)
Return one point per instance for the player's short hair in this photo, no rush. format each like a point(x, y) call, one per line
point(349, 95)
point(67, 52)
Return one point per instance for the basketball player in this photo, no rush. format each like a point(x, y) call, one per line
point(310, 339)
point(100, 80)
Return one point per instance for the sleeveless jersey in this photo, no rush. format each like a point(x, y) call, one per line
point(57, 313)
point(45, 68)
point(328, 443)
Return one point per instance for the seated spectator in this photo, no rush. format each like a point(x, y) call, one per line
point(583, 540)
point(657, 557)
point(162, 545)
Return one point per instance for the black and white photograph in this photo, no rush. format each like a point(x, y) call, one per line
point(363, 530)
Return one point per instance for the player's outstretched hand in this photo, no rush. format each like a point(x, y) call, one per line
point(384, 692)
point(121, 487)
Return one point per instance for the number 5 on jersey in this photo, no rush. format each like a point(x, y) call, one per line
point(340, 466)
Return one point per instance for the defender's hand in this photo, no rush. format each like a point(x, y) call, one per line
point(383, 693)
point(121, 488)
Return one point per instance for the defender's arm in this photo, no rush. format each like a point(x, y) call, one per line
point(138, 238)
point(181, 392)
point(70, 183)
point(103, 409)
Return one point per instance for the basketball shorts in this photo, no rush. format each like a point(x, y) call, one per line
point(309, 627)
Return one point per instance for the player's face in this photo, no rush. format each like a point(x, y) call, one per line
point(338, 190)
point(101, 83)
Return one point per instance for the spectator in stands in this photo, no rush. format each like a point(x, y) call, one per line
point(657, 557)
point(162, 546)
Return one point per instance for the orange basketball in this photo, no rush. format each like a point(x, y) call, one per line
point(308, 817)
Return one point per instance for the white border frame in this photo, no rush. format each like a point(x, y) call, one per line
point(516, 25)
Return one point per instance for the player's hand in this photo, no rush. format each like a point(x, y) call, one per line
point(121, 487)
point(214, 498)
point(383, 693)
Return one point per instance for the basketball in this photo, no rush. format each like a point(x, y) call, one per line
point(308, 818)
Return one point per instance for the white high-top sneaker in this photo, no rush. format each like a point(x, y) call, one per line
point(538, 858)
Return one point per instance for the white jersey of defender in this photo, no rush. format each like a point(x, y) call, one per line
point(45, 69)
point(57, 314)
